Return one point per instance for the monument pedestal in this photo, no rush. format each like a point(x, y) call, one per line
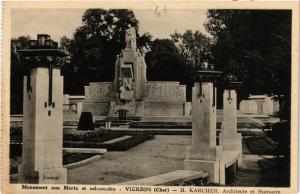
point(229, 139)
point(203, 155)
point(42, 114)
point(208, 160)
point(232, 142)
point(42, 129)
point(43, 176)
point(215, 169)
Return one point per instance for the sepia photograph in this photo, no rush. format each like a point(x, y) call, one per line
point(158, 98)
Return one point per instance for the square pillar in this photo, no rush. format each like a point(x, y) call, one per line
point(204, 155)
point(42, 130)
point(230, 140)
point(42, 113)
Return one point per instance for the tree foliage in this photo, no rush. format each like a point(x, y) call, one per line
point(254, 45)
point(16, 75)
point(95, 45)
point(164, 62)
point(194, 47)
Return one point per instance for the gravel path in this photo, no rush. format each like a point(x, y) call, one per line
point(160, 155)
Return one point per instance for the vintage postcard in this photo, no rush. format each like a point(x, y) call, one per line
point(150, 97)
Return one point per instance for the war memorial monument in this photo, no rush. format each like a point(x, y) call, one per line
point(137, 130)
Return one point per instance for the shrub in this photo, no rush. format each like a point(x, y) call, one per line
point(117, 146)
point(86, 121)
point(74, 135)
point(280, 134)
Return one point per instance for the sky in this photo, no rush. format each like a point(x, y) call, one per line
point(63, 22)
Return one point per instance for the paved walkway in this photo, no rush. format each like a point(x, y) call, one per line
point(160, 155)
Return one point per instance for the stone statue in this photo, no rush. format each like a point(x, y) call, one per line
point(130, 39)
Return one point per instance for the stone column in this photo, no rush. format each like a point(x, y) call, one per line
point(203, 154)
point(230, 140)
point(42, 118)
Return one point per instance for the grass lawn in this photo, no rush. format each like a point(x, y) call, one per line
point(259, 145)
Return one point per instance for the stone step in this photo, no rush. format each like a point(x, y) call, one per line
point(128, 118)
point(170, 178)
point(117, 139)
point(156, 131)
point(85, 150)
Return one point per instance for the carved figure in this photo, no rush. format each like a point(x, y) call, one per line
point(130, 38)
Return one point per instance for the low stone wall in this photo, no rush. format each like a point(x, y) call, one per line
point(97, 98)
point(164, 109)
point(160, 99)
point(248, 107)
point(165, 99)
point(260, 104)
point(160, 91)
point(96, 108)
point(99, 92)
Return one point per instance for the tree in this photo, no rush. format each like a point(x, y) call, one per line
point(65, 43)
point(17, 72)
point(95, 45)
point(194, 47)
point(16, 75)
point(254, 45)
point(164, 62)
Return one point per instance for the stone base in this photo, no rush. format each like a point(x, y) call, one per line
point(232, 142)
point(215, 169)
point(164, 108)
point(46, 176)
point(124, 126)
point(207, 160)
point(202, 153)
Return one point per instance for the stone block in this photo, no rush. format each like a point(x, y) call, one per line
point(204, 153)
point(187, 108)
point(164, 92)
point(232, 142)
point(42, 154)
point(99, 92)
point(248, 107)
point(213, 168)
